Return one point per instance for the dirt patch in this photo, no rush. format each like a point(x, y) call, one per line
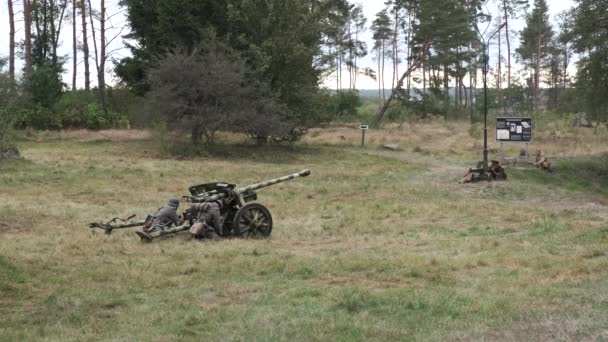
point(373, 283)
point(7, 227)
point(85, 135)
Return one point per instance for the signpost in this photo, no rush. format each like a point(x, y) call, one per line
point(363, 128)
point(517, 130)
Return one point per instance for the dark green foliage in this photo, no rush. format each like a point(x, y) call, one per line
point(44, 85)
point(345, 103)
point(586, 30)
point(206, 91)
point(7, 109)
point(161, 25)
point(80, 109)
point(38, 102)
point(281, 42)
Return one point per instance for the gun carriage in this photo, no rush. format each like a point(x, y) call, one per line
point(239, 215)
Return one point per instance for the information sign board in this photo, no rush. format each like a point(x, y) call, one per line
point(514, 130)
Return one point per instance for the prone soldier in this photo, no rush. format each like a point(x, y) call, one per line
point(208, 223)
point(542, 162)
point(496, 171)
point(164, 217)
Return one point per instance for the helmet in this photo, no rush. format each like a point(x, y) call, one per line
point(173, 202)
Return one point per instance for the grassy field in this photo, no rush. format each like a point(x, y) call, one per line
point(375, 245)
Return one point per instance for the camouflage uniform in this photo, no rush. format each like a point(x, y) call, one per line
point(208, 214)
point(542, 162)
point(164, 217)
point(496, 171)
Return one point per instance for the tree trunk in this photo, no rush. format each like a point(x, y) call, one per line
point(11, 44)
point(408, 53)
point(355, 57)
point(53, 32)
point(27, 21)
point(424, 67)
point(350, 57)
point(196, 134)
point(44, 29)
point(499, 78)
point(446, 81)
point(466, 99)
point(508, 45)
point(340, 69)
point(85, 46)
point(74, 46)
point(56, 31)
point(413, 67)
point(379, 76)
point(383, 86)
point(537, 73)
point(99, 53)
point(101, 73)
point(395, 54)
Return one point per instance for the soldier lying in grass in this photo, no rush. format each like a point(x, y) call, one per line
point(542, 162)
point(165, 217)
point(208, 224)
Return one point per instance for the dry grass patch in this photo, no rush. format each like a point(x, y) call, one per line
point(375, 245)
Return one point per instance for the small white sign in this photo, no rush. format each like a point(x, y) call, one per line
point(363, 126)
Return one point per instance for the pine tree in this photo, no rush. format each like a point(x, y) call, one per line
point(511, 10)
point(587, 31)
point(535, 45)
point(85, 45)
point(11, 44)
point(382, 33)
point(27, 23)
point(74, 46)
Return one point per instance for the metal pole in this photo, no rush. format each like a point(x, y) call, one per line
point(486, 52)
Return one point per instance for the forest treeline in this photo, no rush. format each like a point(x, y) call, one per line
point(256, 67)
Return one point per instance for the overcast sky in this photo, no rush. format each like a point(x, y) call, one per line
point(370, 7)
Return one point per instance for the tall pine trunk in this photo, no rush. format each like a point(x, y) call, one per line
point(395, 50)
point(101, 73)
point(537, 73)
point(508, 45)
point(99, 57)
point(85, 46)
point(11, 43)
point(74, 47)
point(56, 31)
point(27, 22)
point(499, 78)
point(379, 76)
point(355, 58)
point(409, 53)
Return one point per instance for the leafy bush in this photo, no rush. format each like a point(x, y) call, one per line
point(80, 109)
point(43, 85)
point(345, 103)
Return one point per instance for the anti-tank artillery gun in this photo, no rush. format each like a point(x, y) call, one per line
point(238, 216)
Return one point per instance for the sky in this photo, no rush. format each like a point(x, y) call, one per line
point(370, 8)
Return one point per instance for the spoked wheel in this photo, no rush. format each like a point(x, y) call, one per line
point(252, 221)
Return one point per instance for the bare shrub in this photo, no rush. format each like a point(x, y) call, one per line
point(207, 90)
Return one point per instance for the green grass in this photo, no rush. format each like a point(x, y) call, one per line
point(371, 246)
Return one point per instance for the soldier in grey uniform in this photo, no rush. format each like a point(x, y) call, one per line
point(164, 217)
point(208, 224)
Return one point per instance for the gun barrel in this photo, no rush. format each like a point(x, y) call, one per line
point(256, 186)
point(260, 185)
